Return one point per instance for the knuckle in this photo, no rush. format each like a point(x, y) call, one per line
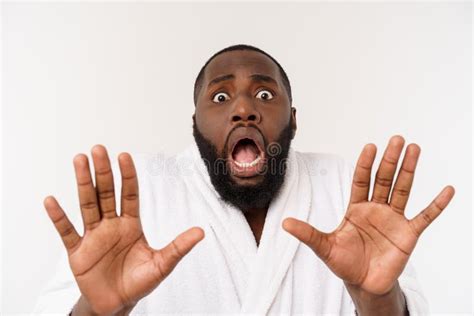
point(130, 196)
point(88, 205)
point(426, 218)
point(406, 170)
point(108, 210)
point(106, 194)
point(389, 160)
point(176, 252)
point(366, 168)
point(402, 192)
point(60, 219)
point(105, 172)
point(380, 198)
point(84, 183)
point(382, 181)
point(398, 209)
point(128, 177)
point(361, 184)
point(66, 231)
point(437, 207)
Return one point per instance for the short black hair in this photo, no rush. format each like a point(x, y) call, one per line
point(200, 76)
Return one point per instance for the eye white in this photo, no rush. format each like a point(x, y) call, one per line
point(265, 95)
point(220, 97)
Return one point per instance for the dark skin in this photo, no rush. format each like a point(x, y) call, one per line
point(244, 105)
point(115, 267)
point(112, 263)
point(371, 246)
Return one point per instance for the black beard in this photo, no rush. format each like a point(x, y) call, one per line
point(246, 197)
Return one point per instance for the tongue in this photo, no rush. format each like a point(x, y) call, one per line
point(245, 152)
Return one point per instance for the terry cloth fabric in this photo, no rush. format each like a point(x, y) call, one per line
point(226, 273)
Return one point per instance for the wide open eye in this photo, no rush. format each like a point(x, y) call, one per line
point(220, 97)
point(264, 95)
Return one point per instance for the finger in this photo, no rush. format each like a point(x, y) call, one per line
point(386, 170)
point(129, 200)
point(313, 238)
point(168, 257)
point(429, 214)
point(402, 188)
point(87, 194)
point(104, 181)
point(66, 230)
point(361, 179)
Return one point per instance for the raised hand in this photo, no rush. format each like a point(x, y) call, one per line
point(371, 246)
point(112, 262)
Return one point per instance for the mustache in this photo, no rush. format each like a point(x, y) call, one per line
point(251, 125)
point(246, 197)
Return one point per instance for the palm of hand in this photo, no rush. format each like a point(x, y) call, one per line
point(114, 259)
point(374, 241)
point(113, 264)
point(371, 247)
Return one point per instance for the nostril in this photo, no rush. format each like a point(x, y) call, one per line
point(251, 117)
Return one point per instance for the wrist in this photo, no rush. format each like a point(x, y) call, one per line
point(391, 303)
point(83, 307)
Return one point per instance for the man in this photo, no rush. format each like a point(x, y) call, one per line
point(252, 200)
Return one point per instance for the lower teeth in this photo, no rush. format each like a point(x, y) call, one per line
point(247, 164)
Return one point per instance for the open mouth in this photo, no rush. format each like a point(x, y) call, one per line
point(247, 157)
point(246, 153)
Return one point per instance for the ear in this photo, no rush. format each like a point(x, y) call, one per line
point(293, 122)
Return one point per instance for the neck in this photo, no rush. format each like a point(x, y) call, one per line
point(256, 220)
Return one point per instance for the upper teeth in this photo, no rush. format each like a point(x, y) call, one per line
point(247, 164)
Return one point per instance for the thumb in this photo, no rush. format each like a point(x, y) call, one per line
point(170, 255)
point(313, 238)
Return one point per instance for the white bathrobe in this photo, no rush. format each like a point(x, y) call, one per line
point(226, 273)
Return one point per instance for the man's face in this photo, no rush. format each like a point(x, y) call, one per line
point(243, 118)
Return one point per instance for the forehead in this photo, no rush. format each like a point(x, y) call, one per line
point(241, 61)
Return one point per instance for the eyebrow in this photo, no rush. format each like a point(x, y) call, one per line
point(220, 79)
point(255, 77)
point(263, 78)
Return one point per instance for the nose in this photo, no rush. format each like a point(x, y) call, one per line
point(245, 110)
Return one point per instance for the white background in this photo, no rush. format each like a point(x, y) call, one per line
point(122, 74)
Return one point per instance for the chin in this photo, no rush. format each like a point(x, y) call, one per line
point(248, 181)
